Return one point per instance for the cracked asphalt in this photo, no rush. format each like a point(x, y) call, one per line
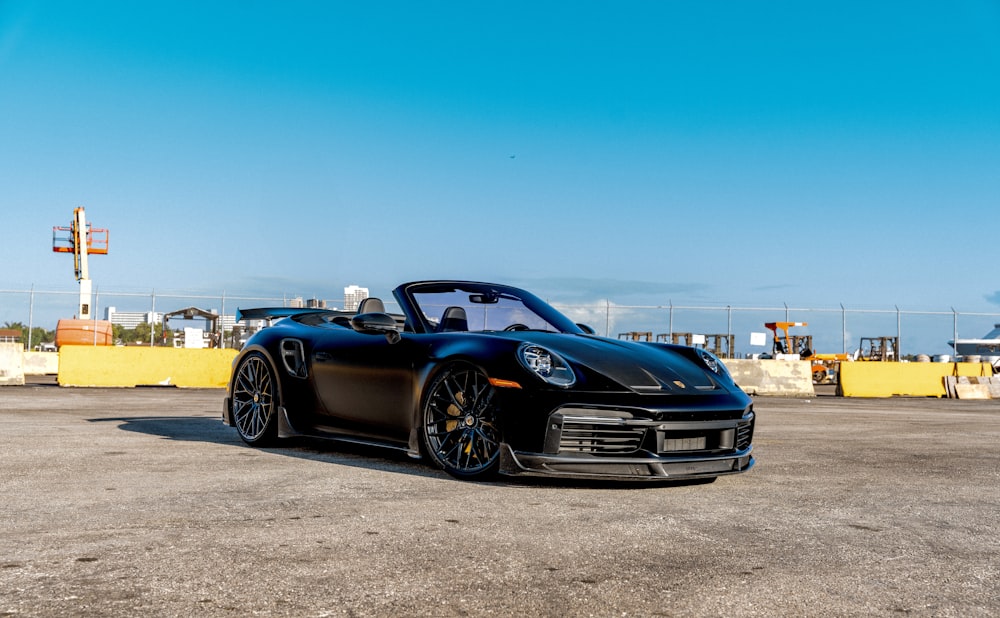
point(125, 502)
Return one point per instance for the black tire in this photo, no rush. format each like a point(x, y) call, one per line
point(254, 404)
point(459, 424)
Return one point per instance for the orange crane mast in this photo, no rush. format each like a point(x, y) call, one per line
point(82, 241)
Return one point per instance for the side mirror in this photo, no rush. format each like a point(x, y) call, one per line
point(376, 323)
point(586, 329)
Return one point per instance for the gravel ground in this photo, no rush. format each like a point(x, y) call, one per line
point(125, 502)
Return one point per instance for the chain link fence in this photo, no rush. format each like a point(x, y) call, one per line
point(833, 330)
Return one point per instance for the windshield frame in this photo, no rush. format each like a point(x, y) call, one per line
point(407, 296)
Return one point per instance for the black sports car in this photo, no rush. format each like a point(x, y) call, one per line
point(483, 378)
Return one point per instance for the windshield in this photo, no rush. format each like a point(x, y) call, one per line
point(481, 307)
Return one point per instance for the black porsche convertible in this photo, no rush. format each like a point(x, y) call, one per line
point(482, 379)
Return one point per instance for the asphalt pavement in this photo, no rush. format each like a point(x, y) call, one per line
point(128, 502)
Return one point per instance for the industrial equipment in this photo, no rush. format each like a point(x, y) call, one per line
point(825, 367)
point(884, 349)
point(720, 344)
point(789, 344)
point(80, 239)
point(636, 336)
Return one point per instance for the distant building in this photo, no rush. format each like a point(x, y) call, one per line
point(131, 319)
point(312, 303)
point(353, 295)
point(228, 322)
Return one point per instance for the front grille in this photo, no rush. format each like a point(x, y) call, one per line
point(616, 432)
point(581, 436)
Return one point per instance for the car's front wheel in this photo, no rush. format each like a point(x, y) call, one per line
point(255, 401)
point(459, 423)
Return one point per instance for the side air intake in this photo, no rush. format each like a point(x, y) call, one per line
point(294, 358)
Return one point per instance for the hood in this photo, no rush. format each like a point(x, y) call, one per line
point(640, 367)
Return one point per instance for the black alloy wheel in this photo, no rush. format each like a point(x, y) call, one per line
point(459, 423)
point(255, 401)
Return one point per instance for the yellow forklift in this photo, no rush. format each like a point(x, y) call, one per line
point(824, 366)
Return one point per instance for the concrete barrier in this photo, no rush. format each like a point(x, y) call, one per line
point(141, 366)
point(11, 364)
point(903, 379)
point(41, 363)
point(973, 387)
point(783, 378)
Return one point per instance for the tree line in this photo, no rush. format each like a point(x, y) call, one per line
point(121, 335)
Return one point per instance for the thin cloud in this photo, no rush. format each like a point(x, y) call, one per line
point(582, 288)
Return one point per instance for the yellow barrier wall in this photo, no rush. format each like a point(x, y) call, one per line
point(908, 379)
point(141, 366)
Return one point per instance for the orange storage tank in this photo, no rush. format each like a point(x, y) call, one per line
point(83, 332)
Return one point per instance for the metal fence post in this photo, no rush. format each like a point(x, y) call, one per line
point(152, 317)
point(729, 331)
point(31, 313)
point(222, 322)
point(843, 329)
point(954, 339)
point(97, 297)
point(899, 334)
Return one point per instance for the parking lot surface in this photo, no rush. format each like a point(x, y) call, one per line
point(126, 502)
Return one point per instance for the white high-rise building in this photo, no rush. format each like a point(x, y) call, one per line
point(131, 319)
point(353, 295)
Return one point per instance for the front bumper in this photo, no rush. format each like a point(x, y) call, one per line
point(622, 468)
point(605, 443)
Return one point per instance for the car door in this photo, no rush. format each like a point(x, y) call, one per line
point(365, 383)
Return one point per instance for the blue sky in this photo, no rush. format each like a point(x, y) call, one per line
point(744, 153)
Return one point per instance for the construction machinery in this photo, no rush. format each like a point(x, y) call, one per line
point(824, 366)
point(884, 349)
point(789, 344)
point(720, 344)
point(80, 239)
point(636, 336)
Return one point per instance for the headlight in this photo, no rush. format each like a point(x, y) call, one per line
point(712, 362)
point(547, 365)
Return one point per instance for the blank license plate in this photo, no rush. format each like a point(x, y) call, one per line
point(683, 444)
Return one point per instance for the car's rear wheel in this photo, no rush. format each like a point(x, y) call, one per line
point(459, 423)
point(255, 401)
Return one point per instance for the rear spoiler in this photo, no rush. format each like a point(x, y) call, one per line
point(270, 313)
